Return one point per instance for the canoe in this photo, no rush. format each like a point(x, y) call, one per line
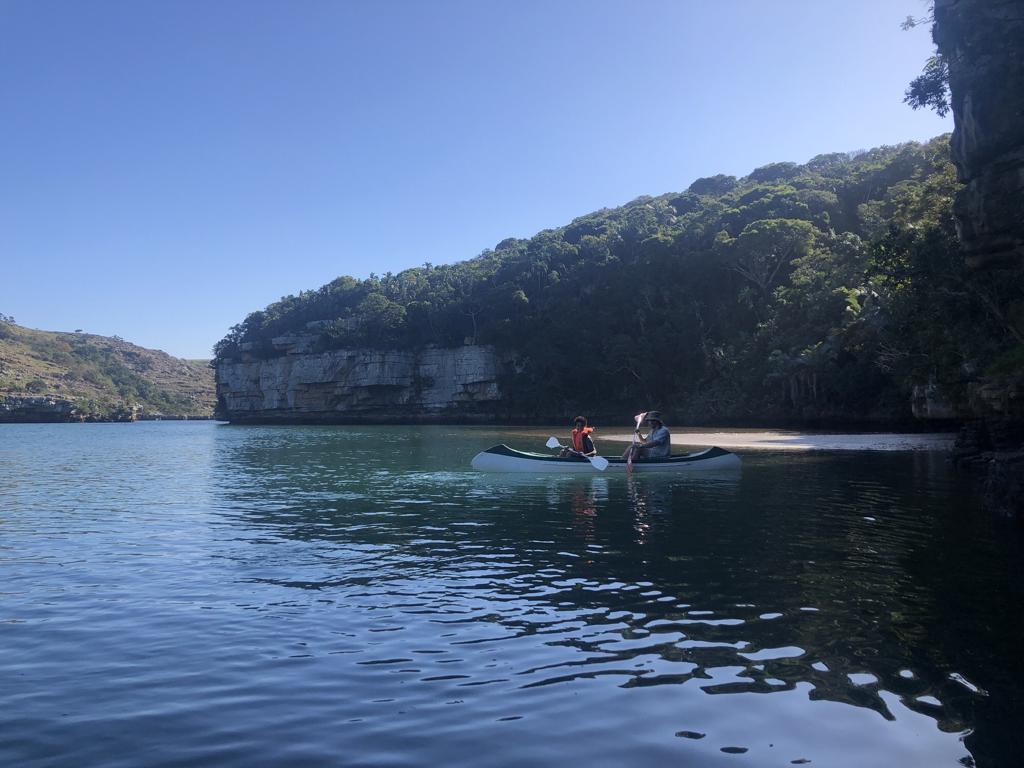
point(501, 458)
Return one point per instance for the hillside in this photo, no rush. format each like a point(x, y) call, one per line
point(48, 376)
point(831, 290)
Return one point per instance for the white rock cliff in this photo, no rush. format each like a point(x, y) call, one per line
point(359, 385)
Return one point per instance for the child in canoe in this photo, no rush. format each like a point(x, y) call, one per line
point(582, 444)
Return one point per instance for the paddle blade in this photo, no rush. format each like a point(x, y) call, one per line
point(552, 442)
point(599, 463)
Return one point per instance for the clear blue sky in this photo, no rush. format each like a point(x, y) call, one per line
point(168, 167)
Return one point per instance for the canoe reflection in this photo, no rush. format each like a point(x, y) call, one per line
point(585, 500)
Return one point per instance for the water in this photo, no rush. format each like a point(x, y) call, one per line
point(198, 594)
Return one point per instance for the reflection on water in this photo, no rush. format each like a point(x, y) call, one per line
point(192, 593)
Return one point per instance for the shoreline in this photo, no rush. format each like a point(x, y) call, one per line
point(749, 439)
point(794, 440)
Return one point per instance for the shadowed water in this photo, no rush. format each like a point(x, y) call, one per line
point(182, 594)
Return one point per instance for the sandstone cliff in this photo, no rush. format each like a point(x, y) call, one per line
point(359, 385)
point(982, 42)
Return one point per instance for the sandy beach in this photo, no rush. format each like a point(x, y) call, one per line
point(783, 440)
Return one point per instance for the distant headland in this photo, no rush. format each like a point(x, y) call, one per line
point(48, 376)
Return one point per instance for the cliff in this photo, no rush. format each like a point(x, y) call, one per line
point(982, 42)
point(799, 293)
point(48, 376)
point(36, 409)
point(430, 384)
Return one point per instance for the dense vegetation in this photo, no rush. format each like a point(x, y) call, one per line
point(930, 89)
point(816, 291)
point(104, 377)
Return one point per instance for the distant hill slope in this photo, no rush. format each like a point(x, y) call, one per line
point(48, 376)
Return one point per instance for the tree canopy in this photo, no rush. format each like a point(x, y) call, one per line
point(800, 291)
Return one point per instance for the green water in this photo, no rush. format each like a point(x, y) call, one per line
point(198, 594)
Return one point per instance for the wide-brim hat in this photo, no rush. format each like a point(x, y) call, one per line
point(654, 416)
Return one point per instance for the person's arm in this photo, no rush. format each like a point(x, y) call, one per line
point(588, 446)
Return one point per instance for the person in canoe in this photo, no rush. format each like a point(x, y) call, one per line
point(656, 445)
point(581, 442)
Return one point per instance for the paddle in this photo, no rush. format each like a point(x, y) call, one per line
point(632, 446)
point(599, 463)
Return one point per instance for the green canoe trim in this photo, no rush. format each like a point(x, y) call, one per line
point(504, 450)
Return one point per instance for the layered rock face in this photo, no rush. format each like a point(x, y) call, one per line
point(15, 408)
point(983, 43)
point(44, 409)
point(360, 385)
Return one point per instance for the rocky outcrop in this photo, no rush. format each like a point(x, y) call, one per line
point(359, 385)
point(14, 408)
point(929, 402)
point(991, 448)
point(997, 397)
point(982, 42)
point(45, 409)
point(984, 397)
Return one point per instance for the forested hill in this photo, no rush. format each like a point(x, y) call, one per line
point(817, 291)
point(49, 376)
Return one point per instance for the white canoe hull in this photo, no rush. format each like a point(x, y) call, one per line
point(501, 458)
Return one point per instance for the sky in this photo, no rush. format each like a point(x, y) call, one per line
point(168, 167)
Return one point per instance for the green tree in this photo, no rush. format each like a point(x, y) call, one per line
point(765, 251)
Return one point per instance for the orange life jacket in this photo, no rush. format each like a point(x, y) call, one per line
point(577, 438)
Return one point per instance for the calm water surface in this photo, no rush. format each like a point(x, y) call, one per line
point(198, 594)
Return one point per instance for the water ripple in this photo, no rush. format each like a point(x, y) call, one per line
point(190, 593)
